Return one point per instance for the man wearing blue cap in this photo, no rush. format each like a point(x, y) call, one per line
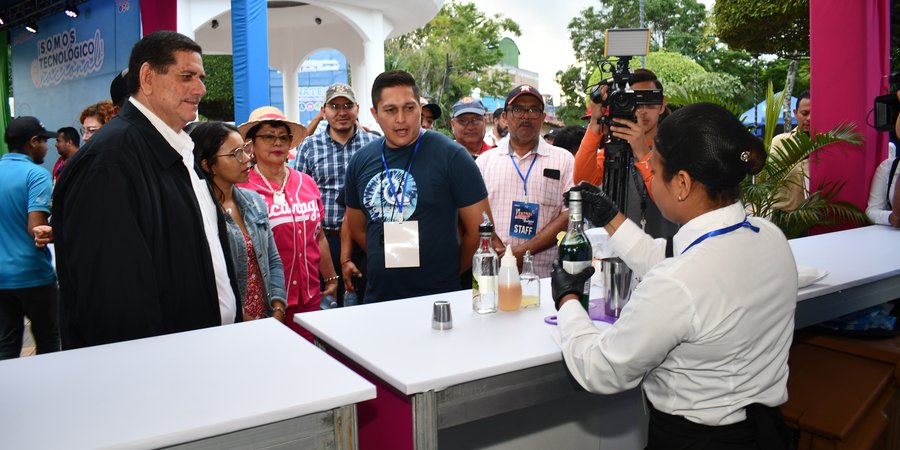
point(468, 125)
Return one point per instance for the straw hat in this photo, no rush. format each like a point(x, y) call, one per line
point(269, 113)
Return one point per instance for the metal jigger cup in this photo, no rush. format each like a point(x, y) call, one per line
point(441, 318)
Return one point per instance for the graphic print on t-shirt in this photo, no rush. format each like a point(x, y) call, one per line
point(382, 205)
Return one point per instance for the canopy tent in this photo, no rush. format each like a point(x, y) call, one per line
point(748, 116)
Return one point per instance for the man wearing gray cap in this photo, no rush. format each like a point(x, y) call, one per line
point(27, 279)
point(468, 125)
point(324, 157)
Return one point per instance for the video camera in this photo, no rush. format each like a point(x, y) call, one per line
point(887, 107)
point(622, 101)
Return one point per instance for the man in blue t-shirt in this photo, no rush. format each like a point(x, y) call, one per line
point(27, 280)
point(405, 195)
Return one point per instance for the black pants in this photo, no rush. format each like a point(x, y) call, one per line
point(41, 305)
point(764, 429)
point(358, 257)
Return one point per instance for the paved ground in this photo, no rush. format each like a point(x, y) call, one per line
point(27, 340)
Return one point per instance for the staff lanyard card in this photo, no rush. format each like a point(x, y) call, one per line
point(401, 244)
point(524, 220)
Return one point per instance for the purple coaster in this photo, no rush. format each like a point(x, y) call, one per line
point(595, 312)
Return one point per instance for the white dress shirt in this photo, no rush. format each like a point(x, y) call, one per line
point(708, 330)
point(183, 144)
point(879, 208)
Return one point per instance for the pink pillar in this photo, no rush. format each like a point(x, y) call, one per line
point(159, 15)
point(849, 67)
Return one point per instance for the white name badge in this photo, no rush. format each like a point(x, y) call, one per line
point(401, 244)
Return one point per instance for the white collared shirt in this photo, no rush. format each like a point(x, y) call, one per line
point(708, 330)
point(183, 144)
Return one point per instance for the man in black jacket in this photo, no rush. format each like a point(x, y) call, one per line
point(140, 239)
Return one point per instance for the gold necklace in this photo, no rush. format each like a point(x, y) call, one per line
point(277, 196)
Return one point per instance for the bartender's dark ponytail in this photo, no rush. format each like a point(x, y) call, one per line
point(713, 146)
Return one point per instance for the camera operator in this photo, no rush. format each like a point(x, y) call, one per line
point(884, 194)
point(589, 161)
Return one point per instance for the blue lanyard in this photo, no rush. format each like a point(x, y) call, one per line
point(745, 224)
point(528, 174)
point(387, 173)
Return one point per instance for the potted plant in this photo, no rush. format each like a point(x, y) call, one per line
point(763, 192)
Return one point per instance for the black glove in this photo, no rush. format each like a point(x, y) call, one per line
point(563, 283)
point(596, 207)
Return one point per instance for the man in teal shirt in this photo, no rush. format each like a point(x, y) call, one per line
point(27, 280)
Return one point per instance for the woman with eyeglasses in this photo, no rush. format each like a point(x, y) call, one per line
point(295, 211)
point(226, 160)
point(95, 116)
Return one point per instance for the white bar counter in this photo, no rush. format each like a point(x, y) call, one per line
point(253, 384)
point(863, 266)
point(484, 367)
point(491, 365)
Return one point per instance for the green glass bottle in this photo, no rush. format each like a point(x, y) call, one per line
point(575, 252)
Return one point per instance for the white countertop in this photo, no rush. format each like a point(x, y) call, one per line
point(851, 257)
point(394, 340)
point(165, 390)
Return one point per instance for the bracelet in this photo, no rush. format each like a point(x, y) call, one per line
point(329, 279)
point(345, 262)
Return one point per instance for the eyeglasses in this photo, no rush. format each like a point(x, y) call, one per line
point(341, 106)
point(533, 113)
point(86, 132)
point(242, 154)
point(271, 138)
point(474, 121)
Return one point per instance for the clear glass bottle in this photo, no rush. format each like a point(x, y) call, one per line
point(575, 253)
point(531, 284)
point(485, 271)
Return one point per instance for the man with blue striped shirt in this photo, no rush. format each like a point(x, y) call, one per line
point(324, 157)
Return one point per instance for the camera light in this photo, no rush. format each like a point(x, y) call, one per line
point(627, 42)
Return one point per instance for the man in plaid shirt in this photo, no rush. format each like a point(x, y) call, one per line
point(324, 157)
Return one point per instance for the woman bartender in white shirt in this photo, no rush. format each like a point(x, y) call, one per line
point(708, 330)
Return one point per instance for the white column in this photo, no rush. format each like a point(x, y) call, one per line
point(290, 93)
point(183, 21)
point(364, 75)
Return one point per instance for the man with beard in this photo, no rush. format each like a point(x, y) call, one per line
point(526, 178)
point(27, 280)
point(324, 157)
point(499, 129)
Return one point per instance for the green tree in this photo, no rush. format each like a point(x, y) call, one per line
point(453, 53)
point(218, 103)
point(762, 26)
point(571, 85)
point(676, 25)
